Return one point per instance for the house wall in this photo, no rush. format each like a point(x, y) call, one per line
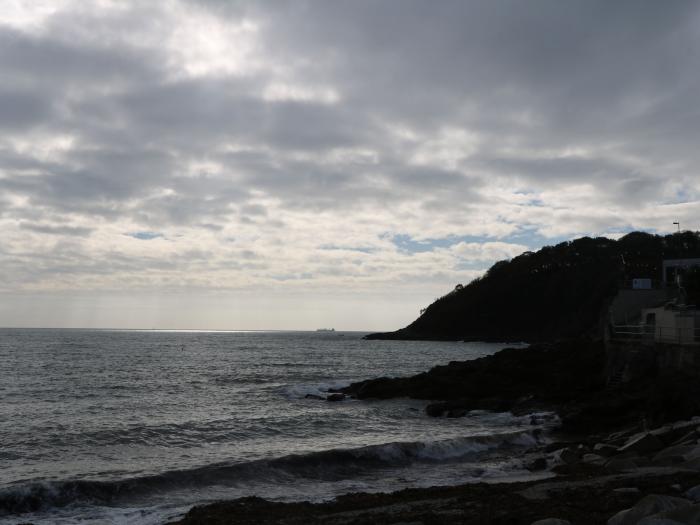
point(673, 326)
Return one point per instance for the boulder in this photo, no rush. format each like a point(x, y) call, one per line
point(642, 444)
point(537, 465)
point(693, 464)
point(693, 494)
point(693, 453)
point(689, 515)
point(593, 459)
point(605, 449)
point(436, 409)
point(551, 521)
point(619, 438)
point(566, 456)
point(623, 464)
point(687, 439)
point(669, 434)
point(627, 490)
point(675, 453)
point(648, 506)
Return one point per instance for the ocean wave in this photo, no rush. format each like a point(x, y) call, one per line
point(329, 465)
point(300, 391)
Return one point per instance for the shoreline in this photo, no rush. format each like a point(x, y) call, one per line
point(589, 496)
point(625, 473)
point(606, 461)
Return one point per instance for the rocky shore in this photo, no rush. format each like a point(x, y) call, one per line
point(625, 478)
point(623, 455)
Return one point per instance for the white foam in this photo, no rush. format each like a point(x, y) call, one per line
point(300, 391)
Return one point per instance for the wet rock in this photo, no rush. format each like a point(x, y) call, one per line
point(593, 459)
point(677, 453)
point(619, 438)
point(557, 445)
point(669, 434)
point(627, 490)
point(538, 419)
point(566, 456)
point(686, 515)
point(687, 439)
point(314, 396)
point(604, 449)
point(693, 453)
point(693, 494)
point(335, 397)
point(648, 506)
point(551, 521)
point(692, 465)
point(436, 409)
point(537, 465)
point(622, 464)
point(642, 444)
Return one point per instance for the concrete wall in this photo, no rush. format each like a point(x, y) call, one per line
point(629, 361)
point(676, 358)
point(627, 304)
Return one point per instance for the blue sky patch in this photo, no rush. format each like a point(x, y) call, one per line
point(407, 244)
point(144, 236)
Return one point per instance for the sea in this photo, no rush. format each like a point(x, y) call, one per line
point(117, 427)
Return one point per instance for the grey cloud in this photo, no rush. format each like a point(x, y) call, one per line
point(254, 209)
point(50, 229)
point(52, 62)
point(19, 109)
point(616, 82)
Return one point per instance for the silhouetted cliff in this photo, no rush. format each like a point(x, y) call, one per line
point(557, 292)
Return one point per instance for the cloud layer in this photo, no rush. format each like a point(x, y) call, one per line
point(297, 151)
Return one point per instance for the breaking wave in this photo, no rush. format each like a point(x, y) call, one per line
point(326, 465)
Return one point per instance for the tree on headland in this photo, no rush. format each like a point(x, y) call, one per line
point(556, 292)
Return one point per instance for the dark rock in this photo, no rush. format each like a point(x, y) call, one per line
point(687, 514)
point(642, 444)
point(436, 409)
point(538, 374)
point(456, 412)
point(313, 396)
point(567, 456)
point(686, 439)
point(537, 465)
point(647, 506)
point(676, 453)
point(693, 494)
point(605, 450)
point(593, 459)
point(335, 397)
point(558, 445)
point(627, 490)
point(623, 464)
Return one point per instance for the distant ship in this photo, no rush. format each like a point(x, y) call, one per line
point(325, 330)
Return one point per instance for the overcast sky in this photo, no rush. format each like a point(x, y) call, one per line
point(253, 165)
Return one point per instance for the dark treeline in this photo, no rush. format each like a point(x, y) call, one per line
point(557, 292)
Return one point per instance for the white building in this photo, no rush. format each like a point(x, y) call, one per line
point(672, 324)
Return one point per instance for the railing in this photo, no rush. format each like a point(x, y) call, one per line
point(633, 333)
point(656, 284)
point(649, 334)
point(682, 336)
